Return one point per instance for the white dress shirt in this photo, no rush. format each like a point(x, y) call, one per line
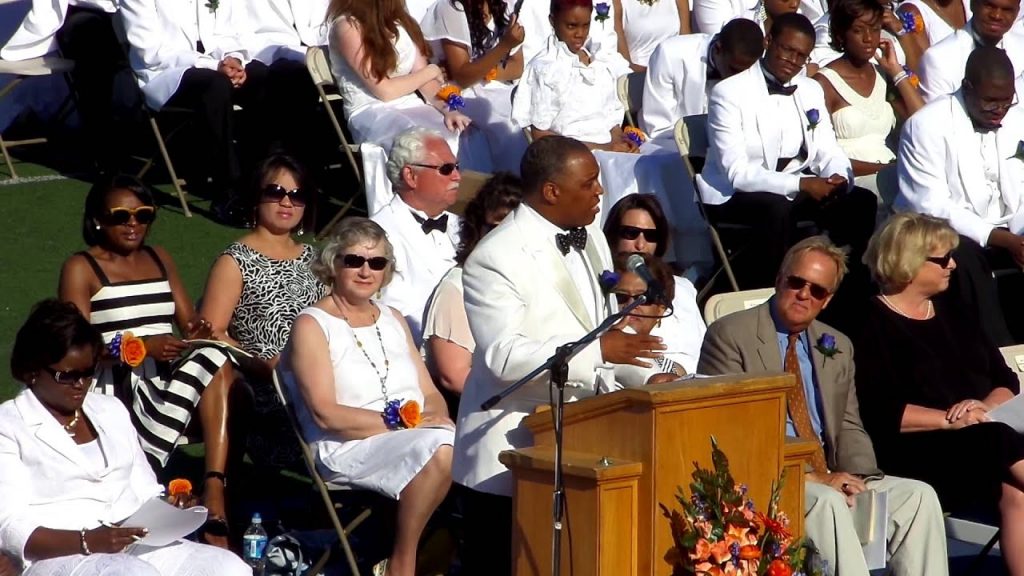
point(580, 269)
point(996, 208)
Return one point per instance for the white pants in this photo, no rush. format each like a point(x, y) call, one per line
point(915, 529)
point(183, 558)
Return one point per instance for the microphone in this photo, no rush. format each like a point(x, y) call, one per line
point(655, 291)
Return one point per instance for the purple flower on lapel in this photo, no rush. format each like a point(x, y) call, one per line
point(813, 118)
point(608, 280)
point(827, 346)
point(602, 9)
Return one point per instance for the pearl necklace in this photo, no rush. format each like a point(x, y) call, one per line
point(359, 343)
point(928, 313)
point(69, 428)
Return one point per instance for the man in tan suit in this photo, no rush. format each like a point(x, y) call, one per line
point(783, 334)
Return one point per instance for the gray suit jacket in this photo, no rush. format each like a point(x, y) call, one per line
point(746, 342)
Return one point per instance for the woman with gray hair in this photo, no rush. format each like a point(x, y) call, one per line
point(927, 376)
point(364, 398)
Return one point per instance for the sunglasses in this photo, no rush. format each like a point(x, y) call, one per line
point(376, 263)
point(275, 194)
point(443, 169)
point(942, 261)
point(632, 233)
point(120, 216)
point(818, 292)
point(70, 377)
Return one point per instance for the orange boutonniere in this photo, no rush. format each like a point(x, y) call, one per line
point(179, 486)
point(491, 75)
point(410, 414)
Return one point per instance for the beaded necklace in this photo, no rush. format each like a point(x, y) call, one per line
point(359, 343)
point(70, 426)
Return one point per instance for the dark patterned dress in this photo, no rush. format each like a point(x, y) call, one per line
point(273, 294)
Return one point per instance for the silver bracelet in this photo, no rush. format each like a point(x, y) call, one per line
point(903, 75)
point(85, 545)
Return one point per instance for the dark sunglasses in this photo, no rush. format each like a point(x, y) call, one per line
point(818, 292)
point(942, 261)
point(377, 263)
point(623, 298)
point(120, 216)
point(632, 233)
point(275, 194)
point(71, 376)
point(443, 169)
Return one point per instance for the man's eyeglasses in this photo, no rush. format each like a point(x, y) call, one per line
point(633, 232)
point(992, 106)
point(376, 263)
point(796, 283)
point(275, 194)
point(69, 377)
point(941, 261)
point(445, 169)
point(791, 55)
point(120, 216)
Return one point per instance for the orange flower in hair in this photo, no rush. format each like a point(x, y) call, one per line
point(410, 414)
point(133, 349)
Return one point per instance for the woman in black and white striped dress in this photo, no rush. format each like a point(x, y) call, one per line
point(122, 285)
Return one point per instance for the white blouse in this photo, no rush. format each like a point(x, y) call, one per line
point(560, 94)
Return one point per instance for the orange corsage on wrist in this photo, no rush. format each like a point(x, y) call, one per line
point(410, 414)
point(179, 487)
point(451, 96)
point(634, 135)
point(128, 348)
point(491, 75)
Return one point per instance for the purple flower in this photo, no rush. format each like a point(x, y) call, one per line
point(455, 102)
point(602, 9)
point(827, 346)
point(1019, 154)
point(813, 118)
point(391, 414)
point(608, 280)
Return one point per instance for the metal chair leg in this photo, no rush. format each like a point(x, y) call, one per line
point(170, 166)
point(341, 213)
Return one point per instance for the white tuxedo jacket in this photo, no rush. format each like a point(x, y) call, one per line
point(942, 67)
point(522, 304)
point(420, 263)
point(46, 480)
point(163, 37)
point(284, 28)
point(940, 167)
point(744, 135)
point(676, 83)
point(35, 36)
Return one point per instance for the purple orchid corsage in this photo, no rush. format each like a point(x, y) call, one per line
point(813, 118)
point(827, 346)
point(603, 10)
point(608, 280)
point(392, 414)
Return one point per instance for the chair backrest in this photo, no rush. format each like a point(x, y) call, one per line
point(630, 89)
point(319, 66)
point(726, 303)
point(1014, 357)
point(293, 420)
point(692, 140)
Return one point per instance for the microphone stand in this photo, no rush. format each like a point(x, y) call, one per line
point(558, 365)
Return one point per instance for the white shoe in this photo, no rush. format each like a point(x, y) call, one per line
point(380, 568)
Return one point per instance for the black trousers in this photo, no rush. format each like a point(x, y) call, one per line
point(293, 102)
point(211, 151)
point(972, 282)
point(487, 541)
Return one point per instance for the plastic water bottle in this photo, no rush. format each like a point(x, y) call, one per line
point(254, 545)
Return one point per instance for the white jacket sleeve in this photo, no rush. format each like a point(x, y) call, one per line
point(149, 50)
point(659, 100)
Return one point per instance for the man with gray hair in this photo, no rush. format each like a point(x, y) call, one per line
point(425, 176)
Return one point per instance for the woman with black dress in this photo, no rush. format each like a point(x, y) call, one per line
point(927, 376)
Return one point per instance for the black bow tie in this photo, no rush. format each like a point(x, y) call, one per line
point(574, 238)
point(429, 224)
point(775, 88)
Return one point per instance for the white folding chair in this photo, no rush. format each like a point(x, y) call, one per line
point(630, 89)
point(21, 70)
point(728, 302)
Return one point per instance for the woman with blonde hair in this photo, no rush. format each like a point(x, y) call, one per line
point(365, 400)
point(927, 376)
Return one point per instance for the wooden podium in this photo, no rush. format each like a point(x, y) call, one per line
point(628, 451)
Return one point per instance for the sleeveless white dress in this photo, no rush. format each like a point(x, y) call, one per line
point(387, 462)
point(647, 26)
point(934, 26)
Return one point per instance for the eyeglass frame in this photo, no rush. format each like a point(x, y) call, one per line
point(990, 108)
point(940, 261)
point(298, 195)
point(817, 291)
point(108, 217)
point(83, 377)
point(439, 167)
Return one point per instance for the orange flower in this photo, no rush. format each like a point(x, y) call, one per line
point(447, 91)
point(179, 486)
point(491, 75)
point(133, 350)
point(701, 550)
point(720, 552)
point(735, 533)
point(634, 135)
point(779, 568)
point(749, 552)
point(410, 413)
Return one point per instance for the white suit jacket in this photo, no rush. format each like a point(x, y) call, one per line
point(942, 67)
point(940, 167)
point(419, 262)
point(743, 139)
point(676, 83)
point(46, 481)
point(163, 37)
point(35, 36)
point(522, 304)
point(284, 28)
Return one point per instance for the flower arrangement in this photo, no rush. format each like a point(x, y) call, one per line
point(608, 279)
point(912, 23)
point(813, 118)
point(603, 10)
point(719, 532)
point(398, 415)
point(451, 96)
point(491, 75)
point(127, 348)
point(827, 345)
point(634, 135)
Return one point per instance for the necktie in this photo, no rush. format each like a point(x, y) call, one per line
point(429, 224)
point(775, 88)
point(797, 405)
point(574, 238)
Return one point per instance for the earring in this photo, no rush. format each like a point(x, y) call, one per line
point(32, 382)
point(301, 231)
point(97, 226)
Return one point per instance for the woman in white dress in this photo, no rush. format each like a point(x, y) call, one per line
point(477, 42)
point(365, 400)
point(936, 19)
point(643, 24)
point(856, 95)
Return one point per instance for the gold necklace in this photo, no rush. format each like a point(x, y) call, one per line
point(359, 343)
point(928, 313)
point(69, 428)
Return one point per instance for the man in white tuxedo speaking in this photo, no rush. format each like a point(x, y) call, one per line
point(961, 158)
point(773, 159)
point(683, 69)
point(531, 285)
